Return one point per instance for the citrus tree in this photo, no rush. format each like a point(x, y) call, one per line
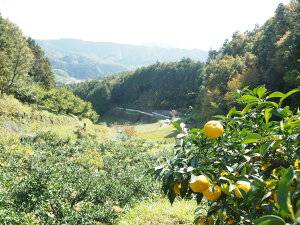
point(245, 164)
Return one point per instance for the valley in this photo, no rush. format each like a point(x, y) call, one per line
point(75, 60)
point(99, 133)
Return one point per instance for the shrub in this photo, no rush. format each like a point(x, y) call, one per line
point(256, 157)
point(47, 179)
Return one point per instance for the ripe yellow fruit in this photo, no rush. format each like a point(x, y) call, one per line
point(213, 129)
point(199, 183)
point(242, 185)
point(231, 221)
point(225, 188)
point(177, 187)
point(213, 194)
point(210, 221)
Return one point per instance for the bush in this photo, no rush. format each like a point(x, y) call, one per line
point(255, 158)
point(47, 179)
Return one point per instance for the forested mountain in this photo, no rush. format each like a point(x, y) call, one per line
point(267, 55)
point(158, 86)
point(89, 60)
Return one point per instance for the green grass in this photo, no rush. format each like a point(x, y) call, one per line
point(155, 132)
point(160, 212)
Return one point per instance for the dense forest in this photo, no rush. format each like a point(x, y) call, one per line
point(158, 86)
point(267, 55)
point(26, 73)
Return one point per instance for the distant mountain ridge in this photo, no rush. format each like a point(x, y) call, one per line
point(81, 60)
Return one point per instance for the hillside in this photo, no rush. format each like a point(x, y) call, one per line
point(267, 55)
point(90, 60)
point(158, 86)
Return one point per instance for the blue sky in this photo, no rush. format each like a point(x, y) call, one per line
point(201, 24)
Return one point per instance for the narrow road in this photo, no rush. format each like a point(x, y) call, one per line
point(153, 114)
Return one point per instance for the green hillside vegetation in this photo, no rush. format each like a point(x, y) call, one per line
point(159, 86)
point(266, 56)
point(26, 73)
point(57, 169)
point(20, 119)
point(90, 60)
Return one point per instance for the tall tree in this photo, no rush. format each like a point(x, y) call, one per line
point(40, 71)
point(15, 56)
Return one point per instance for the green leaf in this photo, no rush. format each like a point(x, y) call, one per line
point(231, 111)
point(195, 130)
point(268, 115)
point(247, 98)
point(199, 198)
point(262, 104)
point(283, 196)
point(270, 220)
point(220, 117)
point(261, 92)
point(176, 125)
point(248, 107)
point(171, 196)
point(288, 94)
point(295, 124)
point(184, 188)
point(194, 162)
point(257, 181)
point(249, 141)
point(282, 112)
point(252, 138)
point(264, 148)
point(276, 94)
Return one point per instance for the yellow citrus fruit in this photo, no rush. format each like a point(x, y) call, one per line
point(241, 185)
point(231, 221)
point(213, 193)
point(213, 129)
point(177, 187)
point(210, 221)
point(296, 164)
point(225, 188)
point(199, 183)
